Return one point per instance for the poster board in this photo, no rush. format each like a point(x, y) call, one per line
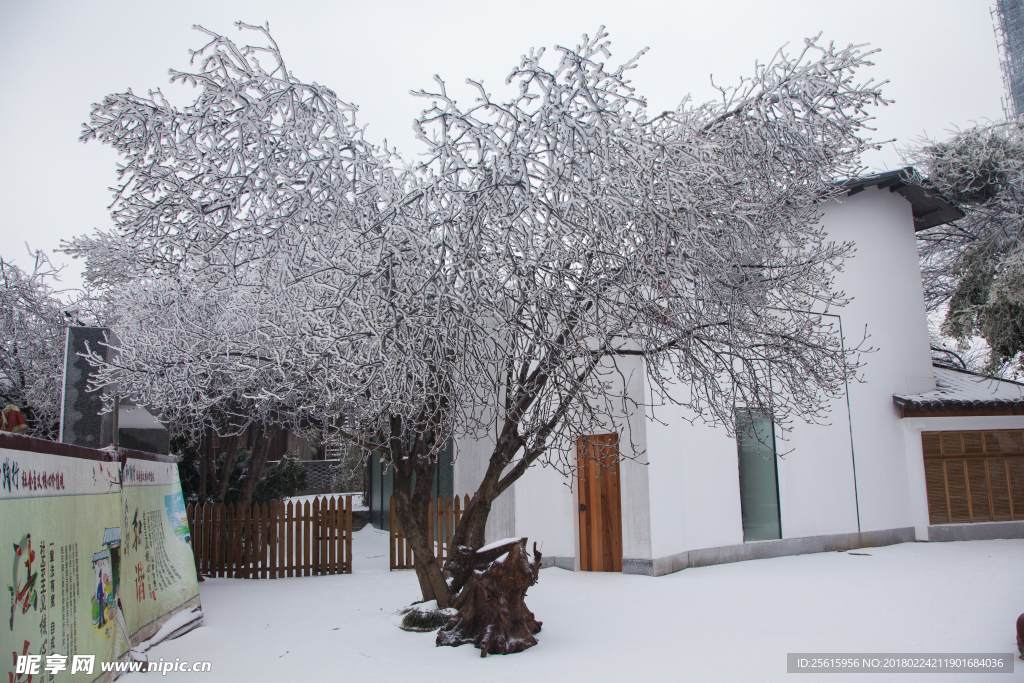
point(93, 557)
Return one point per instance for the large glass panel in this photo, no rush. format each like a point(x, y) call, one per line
point(374, 503)
point(759, 490)
point(444, 479)
point(382, 484)
point(387, 488)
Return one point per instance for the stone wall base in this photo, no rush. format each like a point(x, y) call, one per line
point(758, 550)
point(979, 531)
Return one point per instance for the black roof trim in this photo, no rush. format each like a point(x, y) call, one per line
point(955, 404)
point(929, 206)
point(912, 404)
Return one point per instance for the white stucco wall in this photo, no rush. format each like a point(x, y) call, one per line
point(681, 490)
point(543, 504)
point(816, 484)
point(694, 482)
point(885, 281)
point(545, 512)
point(471, 458)
point(694, 478)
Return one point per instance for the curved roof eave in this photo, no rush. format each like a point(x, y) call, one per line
point(930, 208)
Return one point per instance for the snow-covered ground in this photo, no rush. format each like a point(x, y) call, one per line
point(733, 622)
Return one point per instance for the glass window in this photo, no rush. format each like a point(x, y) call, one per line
point(759, 483)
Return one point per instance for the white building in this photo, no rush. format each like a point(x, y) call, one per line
point(889, 468)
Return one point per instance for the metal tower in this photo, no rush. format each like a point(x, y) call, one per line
point(1009, 21)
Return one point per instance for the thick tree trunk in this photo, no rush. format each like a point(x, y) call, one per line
point(413, 514)
point(493, 614)
point(202, 477)
point(469, 533)
point(204, 456)
point(257, 461)
point(230, 446)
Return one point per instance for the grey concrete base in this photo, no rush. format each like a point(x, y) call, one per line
point(979, 531)
point(560, 562)
point(634, 566)
point(759, 550)
point(565, 563)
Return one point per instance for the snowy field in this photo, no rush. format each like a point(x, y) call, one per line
point(733, 622)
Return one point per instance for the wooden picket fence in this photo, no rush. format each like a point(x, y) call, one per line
point(274, 539)
point(445, 514)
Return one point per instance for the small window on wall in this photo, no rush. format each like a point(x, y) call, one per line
point(759, 481)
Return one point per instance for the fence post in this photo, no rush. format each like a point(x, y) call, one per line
point(254, 542)
point(227, 542)
point(246, 539)
point(252, 554)
point(290, 543)
point(281, 537)
point(392, 533)
point(297, 530)
point(448, 530)
point(242, 515)
point(431, 510)
point(265, 529)
point(218, 539)
point(348, 535)
point(323, 530)
point(333, 544)
point(457, 515)
point(272, 539)
point(229, 545)
point(307, 516)
point(207, 551)
point(314, 537)
point(408, 548)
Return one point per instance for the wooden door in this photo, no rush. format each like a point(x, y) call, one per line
point(600, 503)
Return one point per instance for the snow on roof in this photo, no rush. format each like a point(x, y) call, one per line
point(962, 389)
point(137, 417)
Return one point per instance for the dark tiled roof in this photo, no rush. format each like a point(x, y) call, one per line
point(963, 390)
point(930, 208)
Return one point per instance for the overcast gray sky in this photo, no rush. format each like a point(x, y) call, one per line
point(939, 57)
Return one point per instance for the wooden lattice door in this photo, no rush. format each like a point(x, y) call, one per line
point(600, 503)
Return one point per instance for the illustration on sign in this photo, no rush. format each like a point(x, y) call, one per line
point(23, 593)
point(107, 611)
point(175, 506)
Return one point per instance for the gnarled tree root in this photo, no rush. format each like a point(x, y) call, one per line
point(495, 617)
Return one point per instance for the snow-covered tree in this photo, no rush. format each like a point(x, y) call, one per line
point(32, 338)
point(499, 286)
point(214, 200)
point(973, 268)
point(588, 233)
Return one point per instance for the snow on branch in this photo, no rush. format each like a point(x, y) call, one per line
point(554, 262)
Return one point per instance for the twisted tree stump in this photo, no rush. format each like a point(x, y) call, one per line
point(492, 609)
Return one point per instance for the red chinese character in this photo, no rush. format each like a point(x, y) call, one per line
point(140, 583)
